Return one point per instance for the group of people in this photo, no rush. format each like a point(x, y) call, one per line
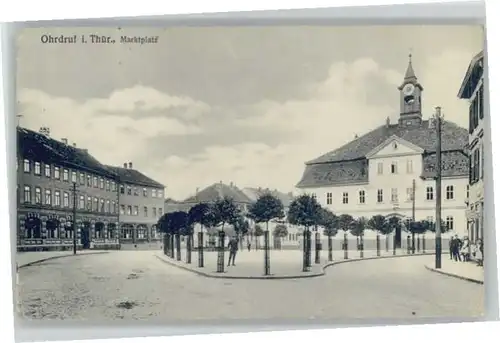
point(463, 250)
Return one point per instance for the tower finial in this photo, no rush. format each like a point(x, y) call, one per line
point(410, 74)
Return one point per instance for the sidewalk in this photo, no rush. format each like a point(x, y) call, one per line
point(468, 271)
point(284, 264)
point(24, 259)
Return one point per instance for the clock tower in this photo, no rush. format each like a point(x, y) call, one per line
point(410, 113)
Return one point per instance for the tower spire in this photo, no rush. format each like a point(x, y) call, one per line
point(410, 73)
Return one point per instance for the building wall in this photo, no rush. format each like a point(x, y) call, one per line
point(140, 209)
point(51, 202)
point(476, 150)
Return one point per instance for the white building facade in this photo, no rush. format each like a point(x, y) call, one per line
point(472, 89)
point(381, 172)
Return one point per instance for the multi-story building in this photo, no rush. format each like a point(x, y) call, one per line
point(391, 169)
point(141, 204)
point(472, 89)
point(48, 173)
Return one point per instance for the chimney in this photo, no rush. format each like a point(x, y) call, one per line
point(431, 123)
point(130, 165)
point(125, 165)
point(387, 122)
point(44, 131)
point(74, 145)
point(64, 140)
point(355, 136)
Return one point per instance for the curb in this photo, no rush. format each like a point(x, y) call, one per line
point(454, 275)
point(282, 277)
point(59, 256)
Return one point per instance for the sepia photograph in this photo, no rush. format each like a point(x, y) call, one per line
point(292, 173)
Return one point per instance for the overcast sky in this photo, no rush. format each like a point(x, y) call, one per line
point(243, 104)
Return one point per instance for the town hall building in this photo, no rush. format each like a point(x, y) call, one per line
point(382, 171)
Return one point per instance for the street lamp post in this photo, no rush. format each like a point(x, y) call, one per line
point(438, 118)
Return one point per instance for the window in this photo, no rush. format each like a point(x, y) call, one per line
point(65, 175)
point(160, 211)
point(145, 192)
point(394, 195)
point(429, 193)
point(153, 193)
point(129, 190)
point(122, 189)
point(394, 168)
point(94, 182)
point(482, 161)
point(101, 183)
point(47, 170)
point(345, 198)
point(113, 207)
point(449, 223)
point(108, 206)
point(82, 179)
point(329, 199)
point(136, 211)
point(107, 185)
point(136, 191)
point(160, 194)
point(101, 207)
point(73, 176)
point(380, 196)
point(122, 209)
point(154, 212)
point(145, 211)
point(38, 168)
point(467, 191)
point(409, 194)
point(95, 206)
point(409, 167)
point(38, 195)
point(26, 166)
point(27, 194)
point(57, 173)
point(66, 199)
point(380, 168)
point(89, 203)
point(57, 198)
point(113, 186)
point(48, 197)
point(81, 203)
point(361, 197)
point(129, 210)
point(89, 181)
point(449, 193)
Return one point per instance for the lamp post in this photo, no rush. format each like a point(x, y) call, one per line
point(74, 217)
point(438, 118)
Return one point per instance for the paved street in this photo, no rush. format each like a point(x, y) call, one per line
point(136, 285)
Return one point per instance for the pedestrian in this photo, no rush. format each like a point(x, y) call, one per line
point(233, 248)
point(465, 250)
point(451, 244)
point(456, 248)
point(249, 245)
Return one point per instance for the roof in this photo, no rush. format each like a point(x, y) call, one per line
point(39, 147)
point(255, 193)
point(132, 176)
point(475, 69)
point(218, 191)
point(454, 137)
point(349, 164)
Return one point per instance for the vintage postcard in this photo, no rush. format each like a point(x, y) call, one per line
point(192, 174)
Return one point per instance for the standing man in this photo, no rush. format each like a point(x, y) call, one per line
point(451, 246)
point(233, 248)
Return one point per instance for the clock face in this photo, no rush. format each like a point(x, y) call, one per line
point(408, 89)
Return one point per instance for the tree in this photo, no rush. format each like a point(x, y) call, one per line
point(419, 227)
point(358, 227)
point(258, 231)
point(329, 222)
point(266, 208)
point(241, 227)
point(304, 211)
point(224, 211)
point(444, 227)
point(378, 224)
point(345, 222)
point(280, 231)
point(179, 225)
point(198, 214)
